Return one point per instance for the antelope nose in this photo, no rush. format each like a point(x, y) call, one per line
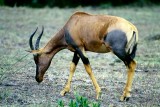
point(38, 79)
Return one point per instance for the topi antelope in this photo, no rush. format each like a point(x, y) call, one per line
point(95, 33)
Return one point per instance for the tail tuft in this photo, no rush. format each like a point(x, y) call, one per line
point(133, 53)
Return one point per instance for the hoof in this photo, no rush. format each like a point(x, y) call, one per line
point(98, 95)
point(62, 93)
point(124, 99)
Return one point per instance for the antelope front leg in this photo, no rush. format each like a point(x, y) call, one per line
point(91, 75)
point(131, 70)
point(89, 71)
point(72, 70)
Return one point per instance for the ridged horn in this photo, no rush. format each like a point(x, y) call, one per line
point(30, 40)
point(38, 39)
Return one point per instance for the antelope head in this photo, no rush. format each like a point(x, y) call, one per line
point(41, 58)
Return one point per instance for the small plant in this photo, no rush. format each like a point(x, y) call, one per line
point(96, 104)
point(60, 103)
point(72, 104)
point(79, 102)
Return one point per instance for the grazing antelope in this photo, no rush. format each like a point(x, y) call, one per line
point(95, 33)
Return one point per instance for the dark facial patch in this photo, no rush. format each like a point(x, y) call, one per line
point(37, 67)
point(36, 58)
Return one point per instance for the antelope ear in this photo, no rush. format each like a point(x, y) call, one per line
point(34, 51)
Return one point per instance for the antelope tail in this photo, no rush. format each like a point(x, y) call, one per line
point(131, 46)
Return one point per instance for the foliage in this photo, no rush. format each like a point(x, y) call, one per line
point(1, 2)
point(73, 3)
point(79, 101)
point(60, 103)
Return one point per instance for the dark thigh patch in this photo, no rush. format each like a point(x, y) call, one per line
point(117, 40)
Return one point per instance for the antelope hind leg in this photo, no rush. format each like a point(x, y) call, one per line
point(131, 70)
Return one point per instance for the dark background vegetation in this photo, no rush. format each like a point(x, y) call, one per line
point(74, 3)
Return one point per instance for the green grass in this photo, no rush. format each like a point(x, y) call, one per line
point(17, 68)
point(79, 101)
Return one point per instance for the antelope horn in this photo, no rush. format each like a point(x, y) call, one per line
point(38, 39)
point(30, 40)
